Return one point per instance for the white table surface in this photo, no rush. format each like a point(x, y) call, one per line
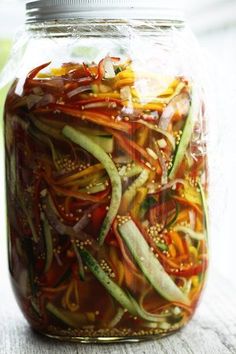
point(212, 331)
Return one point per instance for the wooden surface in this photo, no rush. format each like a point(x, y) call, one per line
point(212, 331)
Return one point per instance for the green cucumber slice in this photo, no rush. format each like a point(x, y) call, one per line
point(186, 136)
point(113, 289)
point(71, 319)
point(149, 264)
point(123, 298)
point(86, 143)
point(105, 142)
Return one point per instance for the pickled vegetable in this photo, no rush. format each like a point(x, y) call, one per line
point(107, 199)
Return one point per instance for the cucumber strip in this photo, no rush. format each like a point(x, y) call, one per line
point(82, 140)
point(149, 264)
point(105, 142)
point(123, 298)
point(186, 136)
point(132, 190)
point(133, 171)
point(73, 320)
point(44, 128)
point(205, 208)
point(146, 315)
point(118, 317)
point(114, 290)
point(48, 244)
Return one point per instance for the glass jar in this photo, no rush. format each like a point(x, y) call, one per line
point(106, 171)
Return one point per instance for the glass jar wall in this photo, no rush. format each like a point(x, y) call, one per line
point(106, 172)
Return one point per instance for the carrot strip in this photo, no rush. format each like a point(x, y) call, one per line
point(79, 195)
point(137, 152)
point(124, 252)
point(94, 117)
point(88, 171)
point(188, 203)
point(176, 239)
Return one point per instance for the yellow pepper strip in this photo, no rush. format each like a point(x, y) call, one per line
point(124, 82)
point(193, 251)
point(125, 74)
point(72, 297)
point(177, 241)
point(131, 191)
point(75, 194)
point(70, 300)
point(199, 225)
point(149, 106)
point(172, 251)
point(195, 281)
point(59, 71)
point(168, 92)
point(183, 216)
point(166, 99)
point(103, 95)
point(87, 171)
point(87, 180)
point(142, 135)
point(138, 200)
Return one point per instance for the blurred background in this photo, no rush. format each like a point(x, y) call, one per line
point(214, 24)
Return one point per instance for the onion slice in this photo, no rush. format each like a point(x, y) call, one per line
point(79, 90)
point(179, 104)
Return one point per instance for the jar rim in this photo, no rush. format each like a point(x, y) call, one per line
point(42, 10)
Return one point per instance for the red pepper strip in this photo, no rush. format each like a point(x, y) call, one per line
point(124, 251)
point(57, 272)
point(165, 307)
point(170, 267)
point(190, 271)
point(97, 217)
point(35, 71)
point(79, 195)
point(79, 204)
point(96, 118)
point(87, 71)
point(198, 165)
point(97, 100)
point(136, 151)
point(189, 204)
point(101, 70)
point(32, 74)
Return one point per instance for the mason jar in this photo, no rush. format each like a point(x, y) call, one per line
point(106, 171)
